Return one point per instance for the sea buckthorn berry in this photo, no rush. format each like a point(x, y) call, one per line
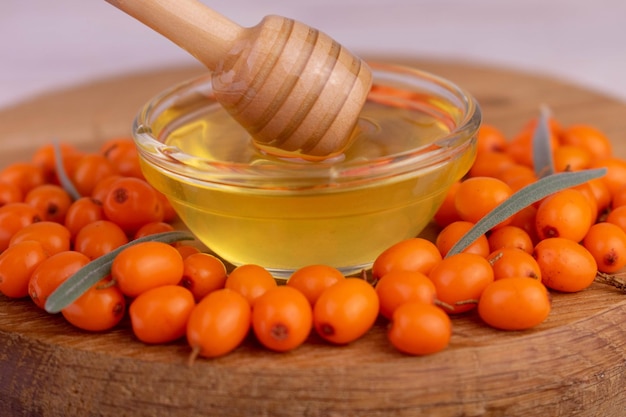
point(510, 237)
point(619, 198)
point(186, 250)
point(398, 287)
point(45, 158)
point(103, 187)
point(595, 143)
point(346, 311)
point(153, 228)
point(601, 193)
point(517, 176)
point(24, 175)
point(520, 146)
point(17, 264)
point(565, 265)
point(10, 193)
point(419, 329)
point(52, 200)
point(616, 172)
point(89, 170)
point(590, 197)
point(146, 265)
point(565, 214)
point(526, 219)
point(160, 314)
point(513, 262)
point(81, 212)
point(282, 318)
point(490, 139)
point(52, 272)
point(414, 254)
point(460, 280)
point(617, 216)
point(446, 213)
point(169, 213)
point(219, 323)
point(202, 274)
point(488, 164)
point(100, 308)
point(515, 303)
point(99, 238)
point(53, 236)
point(131, 203)
point(14, 217)
point(122, 152)
point(251, 281)
point(452, 233)
point(477, 196)
point(607, 244)
point(312, 280)
point(570, 158)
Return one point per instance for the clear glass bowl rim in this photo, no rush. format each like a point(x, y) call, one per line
point(155, 152)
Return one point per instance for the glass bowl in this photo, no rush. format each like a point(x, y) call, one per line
point(414, 139)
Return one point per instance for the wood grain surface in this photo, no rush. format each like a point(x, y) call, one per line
point(574, 364)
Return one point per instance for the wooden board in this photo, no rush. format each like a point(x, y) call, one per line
point(573, 364)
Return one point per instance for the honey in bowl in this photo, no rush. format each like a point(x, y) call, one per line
point(414, 138)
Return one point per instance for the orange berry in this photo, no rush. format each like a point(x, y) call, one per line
point(53, 236)
point(565, 214)
point(219, 323)
point(81, 212)
point(515, 303)
point(52, 200)
point(345, 311)
point(513, 262)
point(312, 280)
point(452, 233)
point(100, 308)
point(477, 196)
point(251, 281)
point(595, 143)
point(203, 274)
point(460, 280)
point(570, 158)
point(419, 329)
point(447, 213)
point(490, 139)
point(14, 217)
point(565, 265)
point(607, 244)
point(52, 272)
point(414, 254)
point(132, 203)
point(399, 287)
point(99, 238)
point(10, 193)
point(160, 314)
point(616, 172)
point(17, 264)
point(143, 266)
point(510, 237)
point(24, 175)
point(282, 318)
point(89, 170)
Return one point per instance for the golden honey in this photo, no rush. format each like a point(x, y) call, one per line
point(285, 213)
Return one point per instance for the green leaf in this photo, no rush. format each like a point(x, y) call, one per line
point(76, 285)
point(522, 199)
point(542, 145)
point(64, 179)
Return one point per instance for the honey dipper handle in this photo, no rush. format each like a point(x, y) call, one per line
point(204, 33)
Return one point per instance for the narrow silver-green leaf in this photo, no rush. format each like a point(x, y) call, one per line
point(64, 179)
point(542, 145)
point(522, 199)
point(76, 285)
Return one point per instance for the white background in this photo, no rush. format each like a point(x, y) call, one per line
point(49, 44)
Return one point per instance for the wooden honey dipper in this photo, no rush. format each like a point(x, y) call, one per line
point(294, 89)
